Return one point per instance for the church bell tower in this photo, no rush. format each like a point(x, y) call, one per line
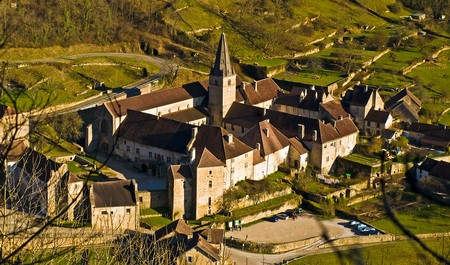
point(222, 84)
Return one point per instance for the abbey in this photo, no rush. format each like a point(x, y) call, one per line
point(206, 136)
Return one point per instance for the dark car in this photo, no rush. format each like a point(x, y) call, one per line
point(290, 213)
point(272, 219)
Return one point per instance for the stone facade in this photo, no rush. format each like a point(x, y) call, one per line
point(209, 190)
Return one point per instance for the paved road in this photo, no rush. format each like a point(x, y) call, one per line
point(165, 67)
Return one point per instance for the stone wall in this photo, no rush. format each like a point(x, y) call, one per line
point(153, 199)
point(288, 205)
point(271, 248)
point(249, 201)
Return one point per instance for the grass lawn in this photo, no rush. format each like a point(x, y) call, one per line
point(445, 119)
point(387, 80)
point(432, 219)
point(320, 77)
point(365, 160)
point(154, 211)
point(392, 253)
point(267, 62)
point(434, 75)
point(156, 222)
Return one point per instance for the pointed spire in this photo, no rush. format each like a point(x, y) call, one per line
point(222, 65)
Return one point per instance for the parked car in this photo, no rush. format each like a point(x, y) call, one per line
point(361, 226)
point(283, 216)
point(353, 222)
point(374, 232)
point(367, 229)
point(272, 219)
point(290, 213)
point(298, 210)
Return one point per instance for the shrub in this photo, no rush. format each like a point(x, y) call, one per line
point(395, 8)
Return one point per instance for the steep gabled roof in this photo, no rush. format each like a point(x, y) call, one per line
point(38, 165)
point(406, 110)
point(298, 145)
point(204, 247)
point(179, 227)
point(114, 193)
point(400, 95)
point(206, 159)
point(310, 101)
point(269, 138)
point(334, 108)
point(181, 171)
point(214, 139)
point(379, 116)
point(213, 235)
point(222, 65)
point(244, 115)
point(441, 170)
point(160, 132)
point(360, 95)
point(266, 89)
point(159, 98)
point(187, 115)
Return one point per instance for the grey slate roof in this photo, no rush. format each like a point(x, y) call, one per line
point(222, 65)
point(38, 164)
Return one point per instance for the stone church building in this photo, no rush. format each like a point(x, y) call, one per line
point(206, 136)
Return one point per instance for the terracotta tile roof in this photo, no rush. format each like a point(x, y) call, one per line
point(431, 140)
point(334, 108)
point(37, 164)
point(206, 248)
point(257, 158)
point(163, 133)
point(399, 96)
point(113, 193)
point(298, 145)
point(213, 235)
point(310, 101)
point(159, 98)
point(266, 89)
point(215, 140)
point(269, 138)
point(244, 115)
point(187, 115)
point(429, 129)
point(346, 127)
point(379, 116)
point(6, 111)
point(179, 227)
point(206, 159)
point(181, 171)
point(359, 96)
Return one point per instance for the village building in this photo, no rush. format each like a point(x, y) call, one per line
point(360, 100)
point(404, 106)
point(434, 136)
point(114, 205)
point(37, 184)
point(14, 126)
point(434, 174)
point(377, 121)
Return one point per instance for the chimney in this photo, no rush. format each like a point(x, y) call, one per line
point(258, 146)
point(229, 138)
point(315, 135)
point(192, 155)
point(301, 99)
point(266, 132)
point(301, 131)
point(265, 111)
point(340, 117)
point(348, 115)
point(333, 122)
point(366, 87)
point(313, 87)
point(315, 95)
point(255, 84)
point(159, 115)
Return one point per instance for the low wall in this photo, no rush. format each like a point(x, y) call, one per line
point(153, 199)
point(245, 202)
point(275, 210)
point(270, 248)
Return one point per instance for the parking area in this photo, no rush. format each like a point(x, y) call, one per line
point(305, 226)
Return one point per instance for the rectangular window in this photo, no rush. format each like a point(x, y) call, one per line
point(189, 259)
point(141, 199)
point(124, 142)
point(209, 201)
point(328, 158)
point(104, 212)
point(340, 142)
point(128, 148)
point(169, 159)
point(210, 184)
point(128, 210)
point(150, 154)
point(246, 165)
point(184, 184)
point(210, 172)
point(232, 170)
point(325, 146)
point(111, 212)
point(138, 151)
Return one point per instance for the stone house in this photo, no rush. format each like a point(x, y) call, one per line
point(77, 199)
point(38, 184)
point(272, 145)
point(332, 110)
point(114, 205)
point(298, 153)
point(360, 100)
point(434, 136)
point(434, 174)
point(377, 121)
point(260, 93)
point(404, 106)
point(14, 126)
point(147, 140)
